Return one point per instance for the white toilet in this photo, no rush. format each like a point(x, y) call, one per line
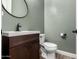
point(48, 50)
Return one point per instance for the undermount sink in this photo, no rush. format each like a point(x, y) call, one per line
point(18, 33)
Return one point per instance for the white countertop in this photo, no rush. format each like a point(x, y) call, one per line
point(18, 33)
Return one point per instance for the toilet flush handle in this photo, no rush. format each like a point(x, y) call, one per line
point(43, 48)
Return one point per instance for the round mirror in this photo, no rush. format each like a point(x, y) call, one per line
point(16, 8)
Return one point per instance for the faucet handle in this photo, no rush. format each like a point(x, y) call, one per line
point(19, 25)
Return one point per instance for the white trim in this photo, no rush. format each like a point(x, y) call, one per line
point(66, 53)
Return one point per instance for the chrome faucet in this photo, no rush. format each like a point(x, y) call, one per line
point(18, 26)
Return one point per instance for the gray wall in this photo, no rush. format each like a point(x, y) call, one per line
point(60, 17)
point(34, 20)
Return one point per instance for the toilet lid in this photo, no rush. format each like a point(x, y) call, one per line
point(50, 46)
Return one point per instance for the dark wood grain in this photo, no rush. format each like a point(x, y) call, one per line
point(22, 47)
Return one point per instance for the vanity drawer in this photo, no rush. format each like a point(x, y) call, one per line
point(21, 39)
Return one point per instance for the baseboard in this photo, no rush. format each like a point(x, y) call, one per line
point(66, 53)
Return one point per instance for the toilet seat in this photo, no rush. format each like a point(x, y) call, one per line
point(50, 46)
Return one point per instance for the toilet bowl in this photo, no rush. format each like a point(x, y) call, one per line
point(49, 48)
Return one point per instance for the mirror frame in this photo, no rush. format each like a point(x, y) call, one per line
point(18, 16)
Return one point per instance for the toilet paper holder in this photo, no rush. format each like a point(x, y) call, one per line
point(63, 35)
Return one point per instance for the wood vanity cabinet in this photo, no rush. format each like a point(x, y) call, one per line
point(21, 47)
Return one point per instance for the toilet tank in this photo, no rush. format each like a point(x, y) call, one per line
point(42, 38)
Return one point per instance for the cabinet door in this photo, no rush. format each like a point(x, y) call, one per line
point(25, 51)
point(34, 50)
point(19, 52)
